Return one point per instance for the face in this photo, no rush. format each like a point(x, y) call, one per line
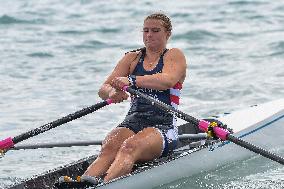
point(155, 35)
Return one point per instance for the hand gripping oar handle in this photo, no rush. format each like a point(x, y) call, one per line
point(204, 126)
point(10, 142)
point(163, 106)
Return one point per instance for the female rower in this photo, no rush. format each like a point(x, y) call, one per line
point(146, 132)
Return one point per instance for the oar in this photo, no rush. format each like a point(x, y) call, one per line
point(198, 136)
point(55, 145)
point(7, 143)
point(207, 127)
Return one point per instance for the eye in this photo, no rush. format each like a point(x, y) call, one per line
point(155, 30)
point(145, 30)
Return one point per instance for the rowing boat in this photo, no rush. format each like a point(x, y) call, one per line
point(262, 125)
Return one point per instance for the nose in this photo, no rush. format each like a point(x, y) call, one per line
point(149, 33)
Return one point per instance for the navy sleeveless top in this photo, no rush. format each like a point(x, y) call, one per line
point(169, 96)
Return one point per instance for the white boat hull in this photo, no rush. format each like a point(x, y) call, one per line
point(262, 125)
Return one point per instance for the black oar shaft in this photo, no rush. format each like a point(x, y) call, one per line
point(58, 122)
point(165, 107)
point(255, 149)
point(203, 125)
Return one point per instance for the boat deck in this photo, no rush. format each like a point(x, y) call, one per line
point(47, 179)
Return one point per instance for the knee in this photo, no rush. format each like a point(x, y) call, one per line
point(129, 148)
point(113, 142)
point(109, 149)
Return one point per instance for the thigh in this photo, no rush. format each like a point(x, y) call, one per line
point(148, 144)
point(116, 137)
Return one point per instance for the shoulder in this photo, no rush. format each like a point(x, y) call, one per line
point(130, 56)
point(175, 51)
point(175, 54)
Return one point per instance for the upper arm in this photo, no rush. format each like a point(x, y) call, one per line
point(175, 66)
point(123, 67)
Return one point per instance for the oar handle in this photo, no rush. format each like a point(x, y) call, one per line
point(6, 143)
point(10, 142)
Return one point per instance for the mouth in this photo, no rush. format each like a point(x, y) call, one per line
point(150, 41)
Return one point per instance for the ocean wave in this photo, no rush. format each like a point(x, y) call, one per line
point(109, 30)
point(6, 20)
point(196, 35)
point(94, 44)
point(279, 45)
point(243, 2)
point(277, 49)
point(41, 55)
point(73, 32)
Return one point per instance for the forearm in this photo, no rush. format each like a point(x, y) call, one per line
point(159, 81)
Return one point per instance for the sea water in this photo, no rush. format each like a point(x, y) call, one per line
point(54, 55)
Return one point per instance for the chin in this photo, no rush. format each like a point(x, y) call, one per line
point(151, 45)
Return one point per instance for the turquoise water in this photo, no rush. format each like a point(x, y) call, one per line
point(54, 55)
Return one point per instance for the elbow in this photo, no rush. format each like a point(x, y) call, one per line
point(167, 85)
point(169, 82)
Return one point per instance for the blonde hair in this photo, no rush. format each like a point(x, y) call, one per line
point(166, 23)
point(164, 18)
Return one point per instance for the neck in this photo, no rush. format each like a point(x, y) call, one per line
point(154, 53)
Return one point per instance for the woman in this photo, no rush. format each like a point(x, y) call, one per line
point(147, 132)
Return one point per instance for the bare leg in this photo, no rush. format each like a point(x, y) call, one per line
point(145, 145)
point(110, 147)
